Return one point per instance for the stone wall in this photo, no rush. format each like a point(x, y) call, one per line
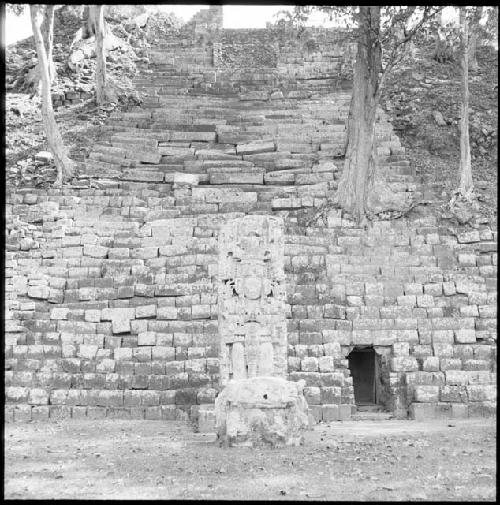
point(313, 54)
point(111, 301)
point(111, 308)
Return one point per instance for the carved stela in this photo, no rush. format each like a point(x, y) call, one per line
point(251, 294)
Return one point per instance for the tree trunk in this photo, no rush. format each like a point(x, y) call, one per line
point(90, 21)
point(48, 38)
point(473, 38)
point(54, 140)
point(473, 65)
point(359, 165)
point(100, 73)
point(443, 50)
point(466, 184)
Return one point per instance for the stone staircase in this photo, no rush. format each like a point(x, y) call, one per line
point(111, 305)
point(196, 128)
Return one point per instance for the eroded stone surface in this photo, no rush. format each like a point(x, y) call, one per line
point(261, 411)
point(252, 325)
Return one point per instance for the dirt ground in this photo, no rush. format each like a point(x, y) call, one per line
point(352, 460)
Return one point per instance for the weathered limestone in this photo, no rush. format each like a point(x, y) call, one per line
point(258, 405)
point(261, 411)
point(252, 324)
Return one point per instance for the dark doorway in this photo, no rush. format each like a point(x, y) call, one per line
point(362, 364)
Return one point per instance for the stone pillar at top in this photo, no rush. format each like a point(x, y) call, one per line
point(216, 17)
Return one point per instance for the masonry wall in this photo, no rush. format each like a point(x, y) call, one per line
point(111, 308)
point(111, 304)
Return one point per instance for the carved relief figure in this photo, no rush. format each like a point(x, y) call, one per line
point(252, 325)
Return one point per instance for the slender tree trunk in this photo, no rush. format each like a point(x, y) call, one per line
point(48, 38)
point(100, 54)
point(359, 166)
point(466, 184)
point(473, 37)
point(443, 51)
point(54, 140)
point(89, 21)
point(473, 65)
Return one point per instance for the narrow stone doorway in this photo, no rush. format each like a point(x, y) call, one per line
point(363, 366)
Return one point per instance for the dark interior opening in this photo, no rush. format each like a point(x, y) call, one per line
point(363, 367)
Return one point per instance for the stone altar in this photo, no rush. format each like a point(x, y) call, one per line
point(258, 405)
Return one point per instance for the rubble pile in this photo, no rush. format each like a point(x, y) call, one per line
point(75, 73)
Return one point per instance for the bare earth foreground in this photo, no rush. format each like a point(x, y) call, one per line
point(355, 460)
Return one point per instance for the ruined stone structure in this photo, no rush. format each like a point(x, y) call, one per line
point(111, 299)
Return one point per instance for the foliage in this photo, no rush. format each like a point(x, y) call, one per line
point(16, 9)
point(398, 26)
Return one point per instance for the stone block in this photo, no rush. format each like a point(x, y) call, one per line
point(59, 313)
point(16, 394)
point(255, 148)
point(38, 397)
point(454, 394)
point(459, 411)
point(59, 412)
point(423, 394)
point(206, 419)
point(425, 301)
point(443, 350)
point(142, 311)
point(122, 354)
point(316, 411)
point(111, 314)
point(330, 413)
point(312, 395)
point(465, 336)
point(309, 364)
point(40, 413)
point(422, 411)
point(482, 392)
point(468, 237)
point(401, 349)
point(450, 364)
point(92, 316)
point(483, 409)
point(456, 378)
point(476, 364)
point(345, 412)
point(120, 326)
point(404, 364)
point(94, 412)
point(22, 413)
point(95, 251)
point(431, 364)
point(325, 363)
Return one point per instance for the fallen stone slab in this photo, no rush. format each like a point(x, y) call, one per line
point(218, 195)
point(175, 151)
point(182, 179)
point(279, 177)
point(202, 136)
point(236, 175)
point(44, 156)
point(255, 148)
point(142, 176)
point(144, 156)
point(254, 95)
